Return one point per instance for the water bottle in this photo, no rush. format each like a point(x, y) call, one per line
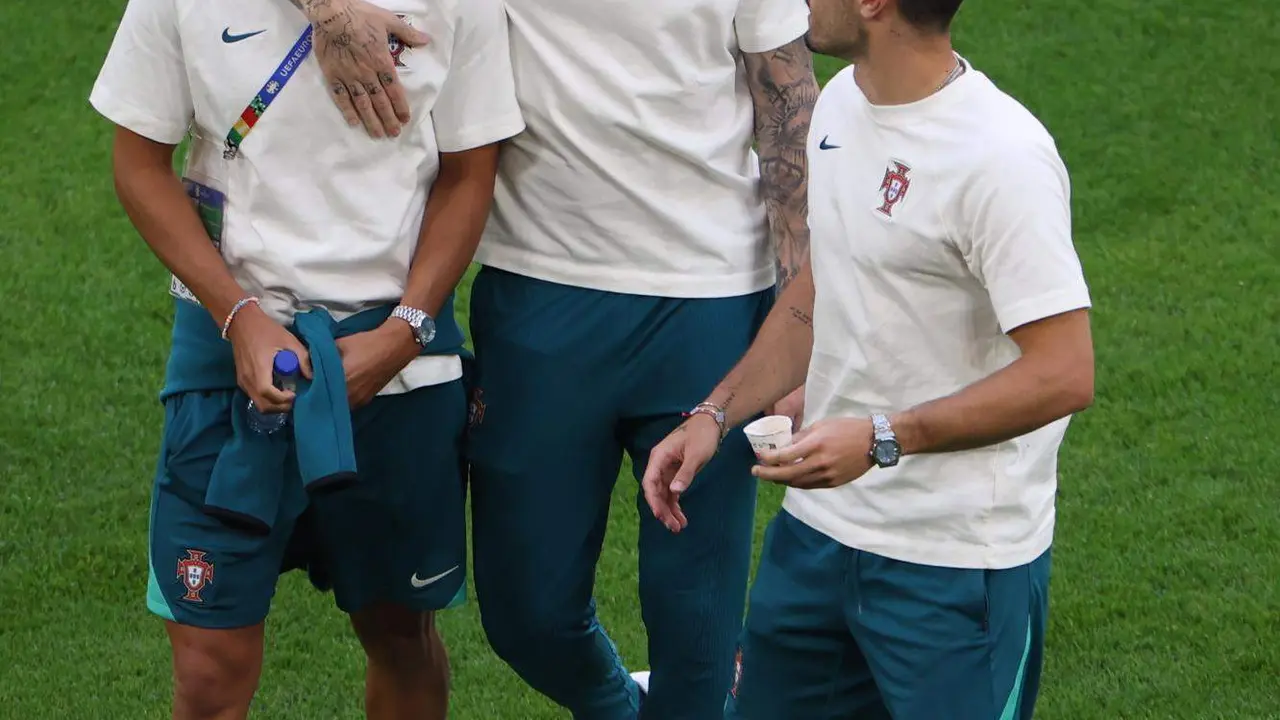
point(285, 370)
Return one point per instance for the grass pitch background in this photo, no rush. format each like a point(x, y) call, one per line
point(1166, 596)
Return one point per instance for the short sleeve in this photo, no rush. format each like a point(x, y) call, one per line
point(1019, 242)
point(143, 82)
point(764, 25)
point(477, 103)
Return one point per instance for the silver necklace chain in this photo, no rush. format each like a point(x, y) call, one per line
point(956, 72)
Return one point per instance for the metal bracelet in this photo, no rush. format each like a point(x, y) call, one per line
point(715, 412)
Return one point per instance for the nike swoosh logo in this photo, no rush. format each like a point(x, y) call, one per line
point(421, 583)
point(824, 146)
point(228, 38)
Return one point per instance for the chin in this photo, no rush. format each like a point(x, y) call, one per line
point(815, 44)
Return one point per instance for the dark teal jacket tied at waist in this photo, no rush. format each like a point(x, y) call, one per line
point(248, 475)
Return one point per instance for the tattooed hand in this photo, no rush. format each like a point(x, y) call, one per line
point(352, 44)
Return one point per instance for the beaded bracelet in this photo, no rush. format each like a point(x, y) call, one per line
point(226, 324)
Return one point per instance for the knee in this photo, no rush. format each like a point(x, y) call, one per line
point(400, 639)
point(522, 635)
point(214, 676)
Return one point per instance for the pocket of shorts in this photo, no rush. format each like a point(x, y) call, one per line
point(197, 428)
point(979, 605)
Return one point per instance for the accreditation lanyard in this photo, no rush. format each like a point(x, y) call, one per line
point(257, 107)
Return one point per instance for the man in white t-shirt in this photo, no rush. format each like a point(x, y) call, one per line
point(627, 265)
point(287, 231)
point(944, 328)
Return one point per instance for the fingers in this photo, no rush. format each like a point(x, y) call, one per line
point(395, 94)
point(802, 445)
point(271, 399)
point(656, 486)
point(684, 476)
point(304, 357)
point(342, 98)
point(262, 391)
point(792, 474)
point(364, 108)
point(383, 107)
point(406, 33)
point(666, 508)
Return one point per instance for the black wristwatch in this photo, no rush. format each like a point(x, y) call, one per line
point(885, 449)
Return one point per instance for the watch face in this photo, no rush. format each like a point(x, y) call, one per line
point(427, 331)
point(886, 453)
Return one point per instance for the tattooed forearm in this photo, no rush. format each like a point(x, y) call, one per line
point(804, 317)
point(783, 90)
point(778, 359)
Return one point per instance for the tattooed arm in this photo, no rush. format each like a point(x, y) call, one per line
point(783, 90)
point(351, 44)
point(777, 360)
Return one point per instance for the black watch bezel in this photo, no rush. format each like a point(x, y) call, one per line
point(886, 452)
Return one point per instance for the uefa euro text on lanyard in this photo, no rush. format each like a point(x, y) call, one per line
point(257, 107)
point(210, 202)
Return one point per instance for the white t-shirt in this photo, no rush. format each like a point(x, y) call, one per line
point(317, 214)
point(636, 174)
point(937, 227)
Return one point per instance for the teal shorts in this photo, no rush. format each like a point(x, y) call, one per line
point(835, 633)
point(396, 535)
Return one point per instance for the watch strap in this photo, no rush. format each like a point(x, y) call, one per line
point(883, 430)
point(414, 317)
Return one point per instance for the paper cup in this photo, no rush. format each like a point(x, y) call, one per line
point(769, 433)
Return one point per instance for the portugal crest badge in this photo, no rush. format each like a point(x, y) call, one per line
point(195, 573)
point(396, 46)
point(893, 188)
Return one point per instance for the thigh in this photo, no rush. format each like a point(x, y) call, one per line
point(542, 447)
point(797, 658)
point(947, 643)
point(682, 348)
point(690, 345)
point(398, 534)
point(205, 573)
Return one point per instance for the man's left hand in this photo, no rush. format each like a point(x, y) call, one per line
point(372, 359)
point(827, 454)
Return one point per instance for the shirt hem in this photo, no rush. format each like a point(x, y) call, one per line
point(959, 555)
point(473, 138)
point(629, 282)
point(424, 372)
point(127, 116)
point(776, 36)
point(1041, 307)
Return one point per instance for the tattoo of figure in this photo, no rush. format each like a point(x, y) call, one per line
point(783, 91)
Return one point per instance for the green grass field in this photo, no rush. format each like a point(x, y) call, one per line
point(1167, 571)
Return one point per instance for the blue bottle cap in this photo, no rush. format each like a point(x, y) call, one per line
point(286, 363)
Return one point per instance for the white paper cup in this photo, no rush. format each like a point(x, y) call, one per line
point(769, 433)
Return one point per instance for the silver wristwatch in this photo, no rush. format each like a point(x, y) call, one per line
point(885, 449)
point(423, 326)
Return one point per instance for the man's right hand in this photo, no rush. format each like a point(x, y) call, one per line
point(352, 44)
point(673, 463)
point(256, 339)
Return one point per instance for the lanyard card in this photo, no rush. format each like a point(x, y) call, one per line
point(210, 204)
